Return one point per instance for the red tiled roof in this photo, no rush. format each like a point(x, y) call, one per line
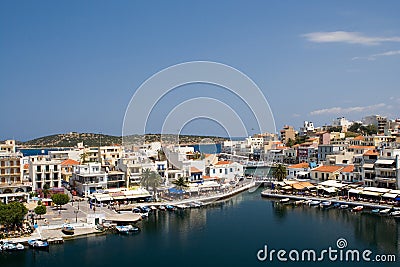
point(360, 137)
point(69, 162)
point(299, 166)
point(223, 162)
point(349, 168)
point(194, 170)
point(328, 168)
point(362, 147)
point(371, 153)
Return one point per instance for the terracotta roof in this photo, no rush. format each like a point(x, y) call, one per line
point(299, 166)
point(349, 168)
point(223, 162)
point(328, 168)
point(194, 170)
point(360, 137)
point(371, 153)
point(69, 162)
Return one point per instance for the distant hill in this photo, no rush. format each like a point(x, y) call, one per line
point(94, 139)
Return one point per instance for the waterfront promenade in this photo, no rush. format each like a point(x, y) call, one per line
point(271, 194)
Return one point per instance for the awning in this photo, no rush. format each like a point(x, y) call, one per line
point(377, 189)
point(369, 193)
point(355, 191)
point(384, 161)
point(389, 195)
point(100, 199)
point(368, 165)
point(330, 190)
point(288, 187)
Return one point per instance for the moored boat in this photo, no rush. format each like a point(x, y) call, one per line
point(126, 229)
point(395, 213)
point(68, 229)
point(385, 211)
point(325, 204)
point(38, 244)
point(161, 207)
point(336, 205)
point(314, 203)
point(358, 208)
point(284, 200)
point(375, 211)
point(344, 206)
point(170, 207)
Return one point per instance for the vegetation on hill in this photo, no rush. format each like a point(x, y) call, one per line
point(93, 139)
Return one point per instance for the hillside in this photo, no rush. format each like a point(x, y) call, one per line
point(93, 139)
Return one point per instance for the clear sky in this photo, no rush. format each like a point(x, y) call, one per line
point(74, 65)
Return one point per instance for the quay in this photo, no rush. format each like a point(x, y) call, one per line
point(270, 194)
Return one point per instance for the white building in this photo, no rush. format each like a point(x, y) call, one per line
point(43, 170)
point(226, 170)
point(88, 178)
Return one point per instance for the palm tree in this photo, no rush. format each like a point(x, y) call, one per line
point(181, 183)
point(83, 157)
point(280, 172)
point(145, 178)
point(155, 181)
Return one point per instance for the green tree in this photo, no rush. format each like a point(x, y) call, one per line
point(181, 183)
point(145, 178)
point(40, 210)
point(155, 181)
point(12, 214)
point(46, 191)
point(289, 142)
point(280, 172)
point(59, 200)
point(83, 157)
point(355, 127)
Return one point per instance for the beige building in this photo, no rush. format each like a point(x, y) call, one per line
point(287, 133)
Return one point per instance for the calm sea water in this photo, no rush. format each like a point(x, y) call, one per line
point(226, 234)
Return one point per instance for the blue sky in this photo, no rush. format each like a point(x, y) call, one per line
point(74, 65)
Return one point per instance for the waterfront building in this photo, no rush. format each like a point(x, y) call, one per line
point(326, 172)
point(367, 167)
point(88, 178)
point(347, 174)
point(324, 150)
point(226, 170)
point(298, 171)
point(11, 174)
point(43, 170)
point(132, 166)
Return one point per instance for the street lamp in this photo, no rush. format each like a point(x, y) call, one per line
point(76, 215)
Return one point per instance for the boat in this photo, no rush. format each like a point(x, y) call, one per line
point(161, 207)
point(325, 204)
point(136, 210)
point(181, 206)
point(9, 246)
point(19, 246)
point(358, 208)
point(68, 229)
point(314, 203)
point(385, 211)
point(284, 200)
point(126, 229)
point(375, 211)
point(336, 205)
point(145, 209)
point(144, 214)
point(153, 207)
point(38, 244)
point(343, 206)
point(395, 213)
point(170, 207)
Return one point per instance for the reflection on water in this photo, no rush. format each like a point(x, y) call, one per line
point(372, 230)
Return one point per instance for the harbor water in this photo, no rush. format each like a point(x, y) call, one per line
point(228, 233)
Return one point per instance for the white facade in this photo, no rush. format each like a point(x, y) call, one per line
point(226, 170)
point(43, 170)
point(88, 178)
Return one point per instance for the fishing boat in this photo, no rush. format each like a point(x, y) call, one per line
point(126, 229)
point(325, 204)
point(68, 229)
point(19, 246)
point(336, 205)
point(344, 206)
point(38, 244)
point(181, 206)
point(161, 207)
point(284, 200)
point(358, 208)
point(314, 203)
point(384, 211)
point(375, 211)
point(299, 202)
point(153, 207)
point(9, 246)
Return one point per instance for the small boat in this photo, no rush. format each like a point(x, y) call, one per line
point(145, 209)
point(9, 246)
point(375, 211)
point(19, 246)
point(344, 206)
point(144, 214)
point(284, 200)
point(136, 210)
point(181, 206)
point(198, 204)
point(395, 213)
point(153, 207)
point(170, 207)
point(385, 211)
point(126, 229)
point(299, 202)
point(336, 205)
point(325, 204)
point(314, 203)
point(68, 229)
point(161, 207)
point(38, 244)
point(358, 208)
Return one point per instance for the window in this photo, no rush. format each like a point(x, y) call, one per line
point(220, 170)
point(231, 170)
point(213, 171)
